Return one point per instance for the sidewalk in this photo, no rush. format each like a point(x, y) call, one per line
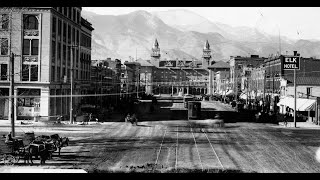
point(10, 169)
point(25, 123)
point(304, 125)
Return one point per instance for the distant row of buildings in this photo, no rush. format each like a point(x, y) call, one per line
point(251, 78)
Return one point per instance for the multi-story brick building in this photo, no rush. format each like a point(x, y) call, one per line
point(236, 68)
point(309, 68)
point(44, 40)
point(105, 82)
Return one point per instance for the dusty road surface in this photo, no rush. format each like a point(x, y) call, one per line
point(170, 145)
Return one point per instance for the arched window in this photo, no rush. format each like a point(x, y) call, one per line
point(30, 22)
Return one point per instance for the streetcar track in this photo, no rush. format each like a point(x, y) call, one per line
point(156, 162)
point(258, 160)
point(274, 146)
point(243, 154)
point(196, 148)
point(225, 150)
point(213, 150)
point(267, 158)
point(104, 156)
point(298, 158)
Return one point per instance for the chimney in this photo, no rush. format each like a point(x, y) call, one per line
point(295, 53)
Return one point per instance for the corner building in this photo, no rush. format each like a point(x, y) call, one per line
point(44, 40)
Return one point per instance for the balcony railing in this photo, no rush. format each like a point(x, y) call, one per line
point(31, 32)
point(27, 58)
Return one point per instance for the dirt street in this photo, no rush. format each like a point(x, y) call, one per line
point(165, 145)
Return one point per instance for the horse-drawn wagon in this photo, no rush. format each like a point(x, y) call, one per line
point(29, 146)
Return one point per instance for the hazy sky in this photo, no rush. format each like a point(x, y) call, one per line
point(287, 20)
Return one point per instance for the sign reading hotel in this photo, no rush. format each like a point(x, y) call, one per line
point(290, 63)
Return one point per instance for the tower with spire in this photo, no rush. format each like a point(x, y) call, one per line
point(206, 61)
point(155, 54)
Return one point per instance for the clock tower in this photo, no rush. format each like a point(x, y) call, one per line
point(155, 54)
point(206, 61)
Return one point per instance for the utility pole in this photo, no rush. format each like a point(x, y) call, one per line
point(12, 95)
point(11, 116)
point(138, 82)
point(295, 98)
point(235, 84)
point(145, 82)
point(71, 84)
point(295, 92)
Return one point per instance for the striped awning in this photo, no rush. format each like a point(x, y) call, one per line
point(301, 103)
point(229, 92)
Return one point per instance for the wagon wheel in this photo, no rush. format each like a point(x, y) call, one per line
point(19, 154)
point(9, 160)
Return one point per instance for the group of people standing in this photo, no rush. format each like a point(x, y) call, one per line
point(132, 119)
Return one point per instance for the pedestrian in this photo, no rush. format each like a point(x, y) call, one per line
point(75, 117)
point(127, 118)
point(90, 118)
point(134, 119)
point(285, 119)
point(9, 139)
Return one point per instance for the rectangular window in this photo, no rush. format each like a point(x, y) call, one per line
point(54, 26)
point(70, 12)
point(59, 29)
point(74, 15)
point(59, 51)
point(77, 60)
point(53, 74)
point(58, 74)
point(34, 73)
point(4, 71)
point(35, 46)
point(4, 46)
point(53, 47)
point(64, 54)
point(69, 34)
point(4, 21)
point(68, 54)
point(32, 45)
point(73, 35)
point(26, 47)
point(64, 32)
point(65, 11)
point(25, 72)
point(79, 17)
point(78, 37)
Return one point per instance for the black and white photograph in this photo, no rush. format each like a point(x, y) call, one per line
point(159, 90)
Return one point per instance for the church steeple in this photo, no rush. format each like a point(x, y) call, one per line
point(156, 44)
point(155, 54)
point(206, 55)
point(207, 45)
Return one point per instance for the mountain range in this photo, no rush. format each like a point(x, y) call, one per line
point(182, 34)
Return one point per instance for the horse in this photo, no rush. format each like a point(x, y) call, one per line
point(60, 141)
point(37, 148)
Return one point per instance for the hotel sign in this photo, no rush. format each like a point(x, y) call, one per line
point(290, 63)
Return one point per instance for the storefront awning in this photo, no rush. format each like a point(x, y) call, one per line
point(230, 92)
point(301, 104)
point(245, 96)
